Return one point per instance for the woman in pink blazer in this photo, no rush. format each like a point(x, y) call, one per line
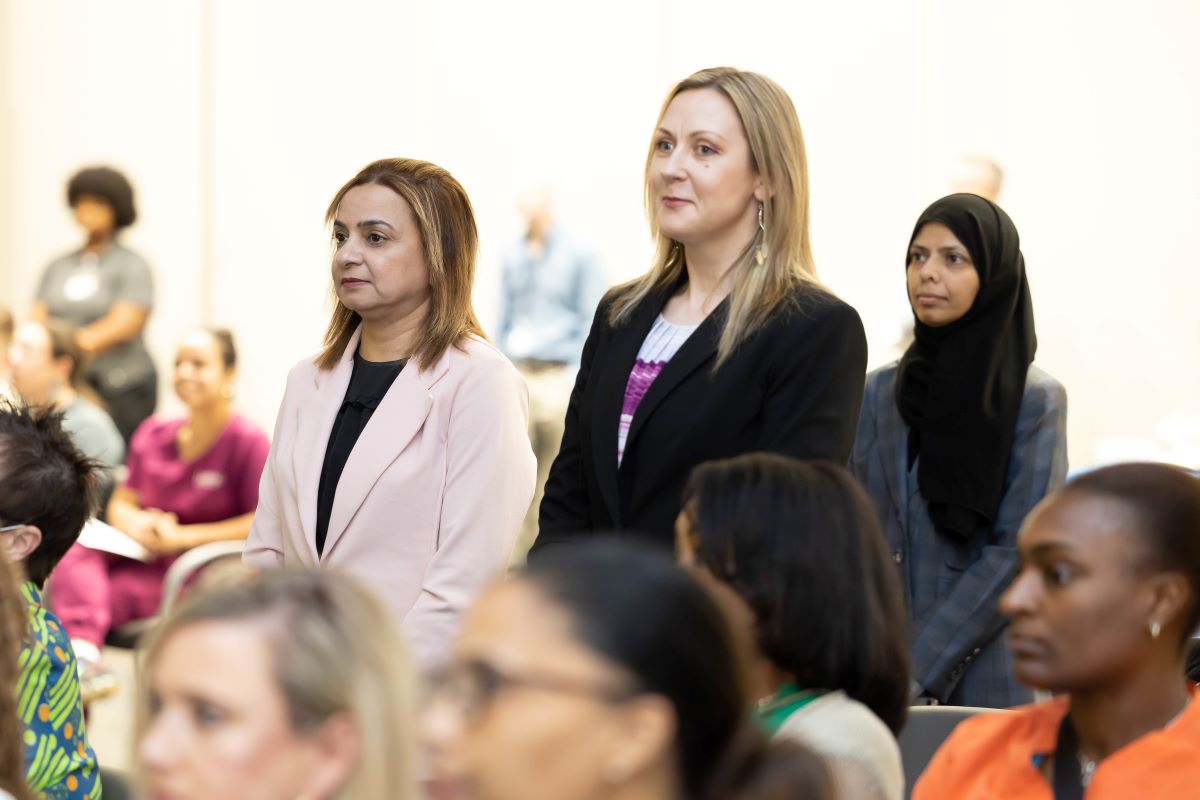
point(400, 452)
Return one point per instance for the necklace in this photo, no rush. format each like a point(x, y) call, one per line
point(1087, 766)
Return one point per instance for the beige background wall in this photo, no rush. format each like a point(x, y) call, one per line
point(238, 120)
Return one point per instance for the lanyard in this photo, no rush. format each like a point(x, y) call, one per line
point(1068, 782)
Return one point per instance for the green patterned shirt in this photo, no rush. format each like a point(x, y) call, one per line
point(59, 762)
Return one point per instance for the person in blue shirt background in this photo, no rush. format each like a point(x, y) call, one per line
point(551, 284)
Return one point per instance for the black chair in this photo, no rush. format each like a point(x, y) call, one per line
point(923, 734)
point(115, 785)
point(1193, 659)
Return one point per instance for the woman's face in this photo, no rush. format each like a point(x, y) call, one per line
point(525, 712)
point(942, 281)
point(379, 267)
point(200, 375)
point(35, 372)
point(702, 179)
point(218, 724)
point(1083, 600)
point(94, 215)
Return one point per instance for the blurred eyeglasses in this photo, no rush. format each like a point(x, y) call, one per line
point(8, 528)
point(472, 686)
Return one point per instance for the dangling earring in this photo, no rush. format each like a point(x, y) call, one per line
point(1155, 630)
point(760, 250)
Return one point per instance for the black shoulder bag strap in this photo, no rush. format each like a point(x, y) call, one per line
point(1068, 783)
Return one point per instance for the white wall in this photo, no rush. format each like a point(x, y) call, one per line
point(238, 121)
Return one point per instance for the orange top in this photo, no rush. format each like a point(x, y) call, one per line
point(996, 757)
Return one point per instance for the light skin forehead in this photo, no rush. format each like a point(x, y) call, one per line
point(706, 109)
point(374, 201)
point(514, 626)
point(200, 343)
point(33, 335)
point(227, 663)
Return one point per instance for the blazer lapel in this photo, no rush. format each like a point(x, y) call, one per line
point(698, 349)
point(400, 415)
point(314, 425)
point(610, 396)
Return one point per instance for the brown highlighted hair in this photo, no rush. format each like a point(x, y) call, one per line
point(450, 243)
point(777, 153)
point(14, 628)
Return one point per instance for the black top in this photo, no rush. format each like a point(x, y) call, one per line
point(369, 382)
point(794, 387)
point(959, 387)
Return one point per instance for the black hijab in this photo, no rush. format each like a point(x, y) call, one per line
point(959, 387)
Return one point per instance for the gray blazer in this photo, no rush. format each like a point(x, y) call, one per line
point(952, 587)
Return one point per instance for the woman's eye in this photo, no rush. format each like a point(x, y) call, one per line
point(664, 146)
point(915, 258)
point(1059, 574)
point(339, 236)
point(208, 715)
point(705, 150)
point(375, 238)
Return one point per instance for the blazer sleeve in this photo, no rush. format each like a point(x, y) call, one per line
point(968, 617)
point(864, 440)
point(264, 545)
point(490, 476)
point(563, 514)
point(814, 397)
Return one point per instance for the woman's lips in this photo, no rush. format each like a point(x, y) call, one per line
point(353, 282)
point(675, 202)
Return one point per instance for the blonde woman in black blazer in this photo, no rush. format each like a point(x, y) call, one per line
point(729, 344)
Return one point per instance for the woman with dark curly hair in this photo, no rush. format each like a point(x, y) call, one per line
point(107, 290)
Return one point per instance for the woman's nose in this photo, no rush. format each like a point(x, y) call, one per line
point(1018, 597)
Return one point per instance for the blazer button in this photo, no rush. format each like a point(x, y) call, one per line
point(898, 556)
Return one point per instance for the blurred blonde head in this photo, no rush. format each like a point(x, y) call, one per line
point(772, 129)
point(335, 654)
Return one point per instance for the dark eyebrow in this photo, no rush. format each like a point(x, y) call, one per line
point(1049, 549)
point(694, 134)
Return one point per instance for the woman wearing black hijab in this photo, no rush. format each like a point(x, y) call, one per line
point(957, 442)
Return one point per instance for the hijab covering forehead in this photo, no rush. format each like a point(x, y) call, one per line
point(959, 386)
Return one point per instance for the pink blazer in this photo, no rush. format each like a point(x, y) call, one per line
point(432, 496)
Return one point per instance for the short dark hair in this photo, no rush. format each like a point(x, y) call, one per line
point(636, 608)
point(1164, 500)
point(225, 345)
point(801, 543)
point(110, 186)
point(44, 481)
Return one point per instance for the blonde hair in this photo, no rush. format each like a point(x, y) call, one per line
point(335, 650)
point(777, 152)
point(450, 243)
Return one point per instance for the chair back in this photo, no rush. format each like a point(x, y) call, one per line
point(927, 727)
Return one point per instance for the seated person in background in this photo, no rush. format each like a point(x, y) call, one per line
point(602, 672)
point(1107, 596)
point(189, 481)
point(46, 493)
point(13, 632)
point(798, 556)
point(6, 334)
point(48, 369)
point(295, 684)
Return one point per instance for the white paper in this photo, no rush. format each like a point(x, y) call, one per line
point(98, 536)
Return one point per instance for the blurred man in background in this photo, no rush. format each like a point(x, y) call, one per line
point(550, 287)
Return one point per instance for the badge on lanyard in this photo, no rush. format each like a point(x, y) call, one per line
point(84, 282)
point(208, 479)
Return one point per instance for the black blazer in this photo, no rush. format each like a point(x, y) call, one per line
point(794, 387)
